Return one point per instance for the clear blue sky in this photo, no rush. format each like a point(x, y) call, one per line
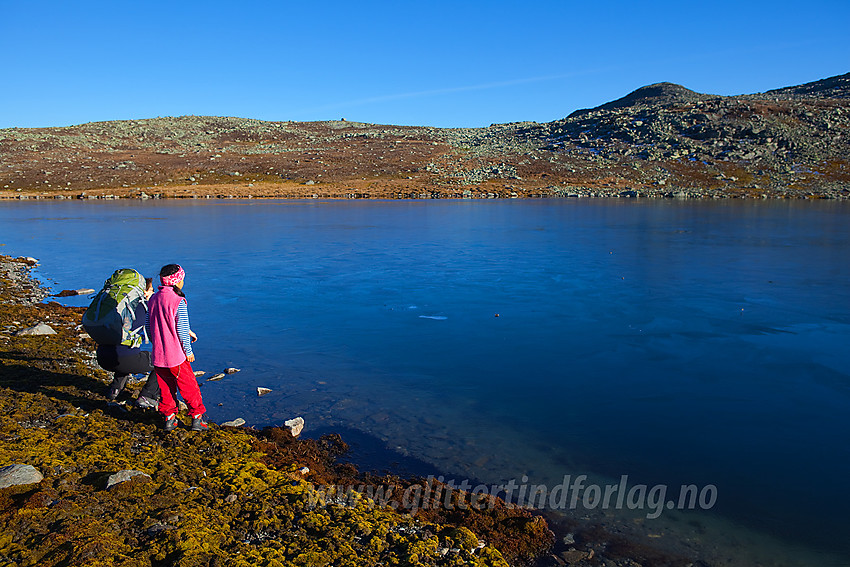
point(417, 63)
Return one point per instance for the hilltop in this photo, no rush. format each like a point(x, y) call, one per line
point(660, 140)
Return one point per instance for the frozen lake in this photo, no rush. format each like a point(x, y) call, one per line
point(674, 342)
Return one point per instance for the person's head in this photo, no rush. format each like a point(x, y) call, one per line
point(148, 287)
point(172, 275)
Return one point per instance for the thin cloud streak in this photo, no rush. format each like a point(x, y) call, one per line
point(450, 90)
point(690, 58)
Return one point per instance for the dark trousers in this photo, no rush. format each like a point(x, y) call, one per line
point(129, 361)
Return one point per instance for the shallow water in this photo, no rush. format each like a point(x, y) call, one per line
point(674, 342)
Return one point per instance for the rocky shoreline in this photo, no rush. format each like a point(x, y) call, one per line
point(84, 481)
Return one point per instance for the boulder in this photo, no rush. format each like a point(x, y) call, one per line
point(40, 329)
point(123, 476)
point(18, 474)
point(295, 425)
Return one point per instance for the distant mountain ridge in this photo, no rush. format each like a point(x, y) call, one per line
point(663, 94)
point(832, 87)
point(661, 140)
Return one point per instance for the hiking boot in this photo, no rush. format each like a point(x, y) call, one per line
point(171, 422)
point(200, 423)
point(146, 403)
point(116, 386)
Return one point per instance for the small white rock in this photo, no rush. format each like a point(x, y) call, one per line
point(40, 329)
point(263, 391)
point(238, 422)
point(295, 425)
point(231, 370)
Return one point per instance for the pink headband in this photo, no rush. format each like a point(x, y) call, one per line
point(173, 278)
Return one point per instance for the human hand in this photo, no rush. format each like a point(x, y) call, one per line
point(193, 335)
point(191, 358)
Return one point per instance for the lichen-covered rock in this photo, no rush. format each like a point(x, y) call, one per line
point(123, 476)
point(18, 474)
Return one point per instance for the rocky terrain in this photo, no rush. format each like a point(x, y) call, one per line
point(661, 140)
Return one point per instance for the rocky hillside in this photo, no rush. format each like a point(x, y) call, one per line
point(661, 140)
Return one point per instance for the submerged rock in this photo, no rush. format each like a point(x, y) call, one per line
point(18, 474)
point(238, 422)
point(73, 292)
point(215, 377)
point(123, 476)
point(40, 329)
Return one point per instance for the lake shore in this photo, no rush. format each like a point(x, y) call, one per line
point(231, 496)
point(404, 189)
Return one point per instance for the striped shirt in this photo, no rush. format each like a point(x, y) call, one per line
point(183, 329)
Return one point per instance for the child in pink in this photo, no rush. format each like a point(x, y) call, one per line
point(171, 337)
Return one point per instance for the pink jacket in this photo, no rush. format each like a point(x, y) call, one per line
point(162, 327)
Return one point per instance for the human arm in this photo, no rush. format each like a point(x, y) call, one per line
point(140, 321)
point(184, 333)
point(148, 322)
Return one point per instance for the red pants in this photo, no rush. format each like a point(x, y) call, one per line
point(180, 378)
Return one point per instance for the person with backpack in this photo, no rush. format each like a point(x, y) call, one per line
point(171, 338)
point(115, 320)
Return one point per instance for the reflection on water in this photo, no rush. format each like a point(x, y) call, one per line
point(674, 342)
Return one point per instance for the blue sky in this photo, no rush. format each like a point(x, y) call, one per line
point(412, 63)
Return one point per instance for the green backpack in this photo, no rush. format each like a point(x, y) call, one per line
point(110, 318)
